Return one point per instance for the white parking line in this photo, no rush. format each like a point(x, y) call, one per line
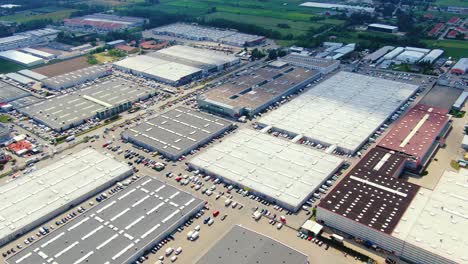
point(122, 251)
point(52, 240)
point(120, 214)
point(140, 201)
point(107, 206)
point(66, 249)
point(78, 224)
point(170, 216)
point(107, 241)
point(134, 222)
point(24, 257)
point(83, 258)
point(127, 194)
point(150, 231)
point(155, 208)
point(92, 232)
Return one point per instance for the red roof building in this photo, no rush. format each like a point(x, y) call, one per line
point(452, 34)
point(453, 20)
point(417, 134)
point(20, 147)
point(436, 30)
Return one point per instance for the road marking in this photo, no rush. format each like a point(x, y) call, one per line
point(92, 232)
point(120, 214)
point(83, 258)
point(122, 251)
point(66, 249)
point(78, 224)
point(24, 257)
point(52, 240)
point(107, 241)
point(107, 206)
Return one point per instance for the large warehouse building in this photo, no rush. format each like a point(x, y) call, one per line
point(103, 23)
point(416, 224)
point(34, 198)
point(119, 230)
point(252, 92)
point(77, 77)
point(201, 33)
point(101, 100)
point(10, 93)
point(417, 134)
point(251, 247)
point(343, 115)
point(273, 168)
point(177, 65)
point(22, 58)
point(28, 38)
point(324, 66)
point(176, 132)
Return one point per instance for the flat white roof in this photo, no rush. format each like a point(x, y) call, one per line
point(343, 110)
point(157, 67)
point(39, 53)
point(437, 220)
point(33, 196)
point(20, 57)
point(278, 168)
point(199, 55)
point(33, 75)
point(383, 26)
point(19, 78)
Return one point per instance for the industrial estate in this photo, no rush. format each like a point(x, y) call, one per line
point(189, 143)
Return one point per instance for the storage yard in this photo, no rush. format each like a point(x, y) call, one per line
point(201, 33)
point(281, 171)
point(63, 67)
point(35, 198)
point(242, 243)
point(118, 230)
point(177, 65)
point(101, 100)
point(345, 116)
point(177, 132)
point(251, 92)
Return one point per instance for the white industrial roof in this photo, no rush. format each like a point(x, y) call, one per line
point(433, 55)
point(200, 55)
point(33, 75)
point(410, 56)
point(344, 110)
point(392, 54)
point(437, 220)
point(19, 56)
point(19, 78)
point(40, 193)
point(280, 169)
point(38, 53)
point(168, 70)
point(383, 26)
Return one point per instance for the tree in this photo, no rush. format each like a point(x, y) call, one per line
point(257, 54)
point(272, 54)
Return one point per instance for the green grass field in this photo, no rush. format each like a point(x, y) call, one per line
point(266, 14)
point(55, 16)
point(296, 27)
point(8, 66)
point(453, 48)
point(452, 2)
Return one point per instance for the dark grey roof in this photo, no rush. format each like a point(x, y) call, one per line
point(117, 230)
point(177, 131)
point(243, 246)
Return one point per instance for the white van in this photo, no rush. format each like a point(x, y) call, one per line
point(178, 250)
point(169, 251)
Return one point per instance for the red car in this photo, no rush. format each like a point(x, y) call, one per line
point(178, 179)
point(215, 213)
